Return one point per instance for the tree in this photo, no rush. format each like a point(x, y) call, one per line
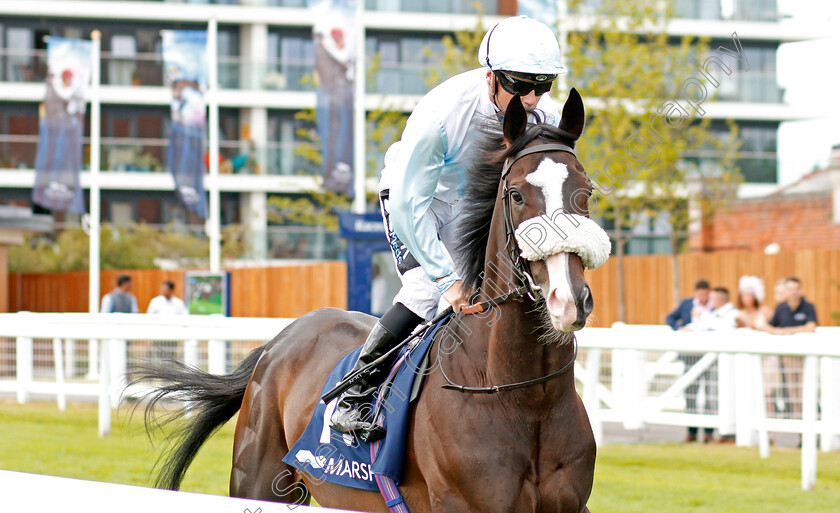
point(136, 246)
point(637, 137)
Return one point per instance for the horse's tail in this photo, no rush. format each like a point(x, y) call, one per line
point(211, 400)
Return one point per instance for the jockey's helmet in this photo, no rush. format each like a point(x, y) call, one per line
point(524, 46)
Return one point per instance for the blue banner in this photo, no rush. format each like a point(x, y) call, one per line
point(334, 36)
point(58, 161)
point(185, 62)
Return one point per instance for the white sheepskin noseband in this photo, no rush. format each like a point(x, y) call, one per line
point(540, 237)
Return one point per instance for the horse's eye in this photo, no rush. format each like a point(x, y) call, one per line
point(517, 197)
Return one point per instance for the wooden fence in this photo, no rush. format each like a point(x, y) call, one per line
point(294, 290)
point(648, 281)
point(286, 291)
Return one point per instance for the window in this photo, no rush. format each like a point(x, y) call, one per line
point(121, 63)
point(286, 137)
point(403, 61)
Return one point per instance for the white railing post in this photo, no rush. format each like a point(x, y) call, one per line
point(69, 358)
point(809, 423)
point(634, 388)
point(743, 401)
point(726, 394)
point(829, 402)
point(93, 360)
point(216, 357)
point(191, 353)
point(119, 364)
point(590, 394)
point(760, 406)
point(105, 390)
point(58, 365)
point(24, 361)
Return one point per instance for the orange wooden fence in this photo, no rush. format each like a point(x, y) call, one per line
point(648, 281)
point(287, 291)
point(294, 290)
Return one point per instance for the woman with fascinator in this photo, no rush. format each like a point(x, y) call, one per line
point(753, 314)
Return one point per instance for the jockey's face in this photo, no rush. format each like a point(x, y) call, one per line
point(529, 101)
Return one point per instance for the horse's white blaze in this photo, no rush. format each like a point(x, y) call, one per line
point(560, 300)
point(550, 177)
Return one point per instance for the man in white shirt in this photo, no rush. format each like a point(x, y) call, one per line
point(167, 302)
point(723, 316)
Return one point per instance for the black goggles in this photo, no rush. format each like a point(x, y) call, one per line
point(515, 85)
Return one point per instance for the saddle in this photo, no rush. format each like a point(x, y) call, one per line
point(341, 458)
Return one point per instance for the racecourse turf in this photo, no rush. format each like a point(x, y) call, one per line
point(38, 438)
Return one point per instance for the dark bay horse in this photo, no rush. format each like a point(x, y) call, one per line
point(527, 449)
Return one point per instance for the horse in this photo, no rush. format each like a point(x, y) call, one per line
point(525, 446)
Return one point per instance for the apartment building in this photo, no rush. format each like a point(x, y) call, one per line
point(265, 54)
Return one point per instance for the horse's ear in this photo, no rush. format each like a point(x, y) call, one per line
point(573, 114)
point(515, 120)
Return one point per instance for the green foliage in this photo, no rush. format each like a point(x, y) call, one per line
point(313, 209)
point(460, 54)
point(627, 63)
point(136, 246)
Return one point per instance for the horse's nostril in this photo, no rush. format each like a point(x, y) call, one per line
point(586, 300)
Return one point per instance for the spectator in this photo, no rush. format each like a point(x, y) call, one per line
point(752, 314)
point(167, 302)
point(755, 316)
point(690, 308)
point(120, 300)
point(794, 315)
point(723, 316)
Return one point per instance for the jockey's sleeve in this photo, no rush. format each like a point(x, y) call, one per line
point(416, 172)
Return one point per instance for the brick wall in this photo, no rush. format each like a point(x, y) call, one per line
point(793, 222)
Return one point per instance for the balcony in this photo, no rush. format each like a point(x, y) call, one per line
point(736, 10)
point(740, 10)
point(426, 6)
point(139, 155)
point(750, 87)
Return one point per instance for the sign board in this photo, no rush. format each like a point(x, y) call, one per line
point(207, 292)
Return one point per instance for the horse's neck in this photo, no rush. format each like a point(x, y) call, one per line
point(504, 346)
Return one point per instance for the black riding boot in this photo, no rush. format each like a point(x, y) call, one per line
point(353, 412)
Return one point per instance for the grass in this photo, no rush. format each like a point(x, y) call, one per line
point(629, 478)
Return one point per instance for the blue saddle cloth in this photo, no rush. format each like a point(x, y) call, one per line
point(328, 455)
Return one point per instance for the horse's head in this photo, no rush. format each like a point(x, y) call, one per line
point(546, 195)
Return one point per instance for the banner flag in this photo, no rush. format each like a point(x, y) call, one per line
point(335, 56)
point(58, 161)
point(185, 64)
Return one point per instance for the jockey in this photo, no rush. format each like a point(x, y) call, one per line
point(424, 179)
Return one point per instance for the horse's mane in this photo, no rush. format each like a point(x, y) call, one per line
point(480, 197)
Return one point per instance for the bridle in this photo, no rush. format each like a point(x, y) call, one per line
point(522, 266)
point(529, 288)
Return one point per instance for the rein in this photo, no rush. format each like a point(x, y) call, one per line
point(529, 288)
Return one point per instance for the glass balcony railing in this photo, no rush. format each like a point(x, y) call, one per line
point(400, 78)
point(277, 75)
point(740, 10)
point(148, 155)
point(146, 69)
point(750, 86)
point(18, 65)
point(435, 6)
point(432, 6)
